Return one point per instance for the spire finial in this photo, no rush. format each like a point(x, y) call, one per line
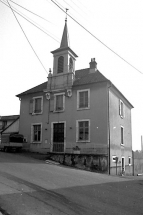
point(66, 14)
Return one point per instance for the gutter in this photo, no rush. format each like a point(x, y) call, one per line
point(109, 131)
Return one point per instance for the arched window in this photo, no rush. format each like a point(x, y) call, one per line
point(60, 64)
point(71, 64)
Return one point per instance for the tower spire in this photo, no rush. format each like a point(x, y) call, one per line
point(65, 37)
point(66, 14)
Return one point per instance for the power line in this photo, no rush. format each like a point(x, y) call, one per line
point(79, 8)
point(31, 11)
point(32, 22)
point(99, 39)
point(26, 37)
point(72, 8)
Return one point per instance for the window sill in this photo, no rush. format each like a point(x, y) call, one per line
point(58, 111)
point(36, 142)
point(86, 108)
point(37, 113)
point(83, 141)
point(121, 116)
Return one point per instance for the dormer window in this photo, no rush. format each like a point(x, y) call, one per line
point(60, 64)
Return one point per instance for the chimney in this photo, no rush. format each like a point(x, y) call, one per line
point(93, 65)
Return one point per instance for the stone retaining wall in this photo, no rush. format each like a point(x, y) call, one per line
point(96, 163)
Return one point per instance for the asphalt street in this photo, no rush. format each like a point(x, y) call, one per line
point(29, 186)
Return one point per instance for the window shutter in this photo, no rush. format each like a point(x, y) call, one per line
point(124, 110)
point(51, 103)
point(31, 133)
point(119, 107)
point(31, 106)
point(42, 105)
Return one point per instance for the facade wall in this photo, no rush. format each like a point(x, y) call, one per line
point(97, 114)
point(99, 125)
point(116, 122)
point(27, 119)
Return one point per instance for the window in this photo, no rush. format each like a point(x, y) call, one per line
point(83, 98)
point(4, 124)
point(59, 102)
point(122, 135)
point(83, 130)
point(70, 64)
point(60, 64)
point(121, 111)
point(38, 105)
point(129, 159)
point(36, 133)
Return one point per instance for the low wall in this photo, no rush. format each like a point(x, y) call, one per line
point(96, 163)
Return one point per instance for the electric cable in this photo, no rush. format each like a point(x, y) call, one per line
point(74, 10)
point(79, 7)
point(31, 11)
point(32, 22)
point(98, 39)
point(26, 37)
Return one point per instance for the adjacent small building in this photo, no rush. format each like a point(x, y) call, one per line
point(9, 124)
point(78, 116)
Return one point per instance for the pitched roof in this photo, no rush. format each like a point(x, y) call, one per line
point(36, 89)
point(85, 77)
point(81, 77)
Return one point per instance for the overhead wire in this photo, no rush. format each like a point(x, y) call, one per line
point(98, 39)
point(32, 22)
point(83, 5)
point(26, 37)
point(79, 7)
point(74, 9)
point(30, 11)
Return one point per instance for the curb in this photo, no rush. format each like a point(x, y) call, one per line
point(51, 162)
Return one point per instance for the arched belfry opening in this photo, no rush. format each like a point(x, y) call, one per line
point(60, 64)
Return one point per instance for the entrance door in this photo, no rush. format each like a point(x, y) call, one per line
point(58, 137)
point(123, 165)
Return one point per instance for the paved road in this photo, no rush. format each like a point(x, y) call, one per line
point(32, 187)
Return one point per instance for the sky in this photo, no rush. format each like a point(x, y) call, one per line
point(117, 24)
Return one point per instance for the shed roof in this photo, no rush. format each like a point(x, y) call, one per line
point(10, 117)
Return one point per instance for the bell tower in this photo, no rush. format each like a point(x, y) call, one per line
point(63, 64)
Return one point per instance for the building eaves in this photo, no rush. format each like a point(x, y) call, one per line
point(64, 49)
point(112, 85)
point(36, 89)
point(84, 76)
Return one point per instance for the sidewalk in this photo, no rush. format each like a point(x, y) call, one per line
point(35, 155)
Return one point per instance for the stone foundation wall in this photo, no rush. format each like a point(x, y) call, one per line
point(95, 163)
